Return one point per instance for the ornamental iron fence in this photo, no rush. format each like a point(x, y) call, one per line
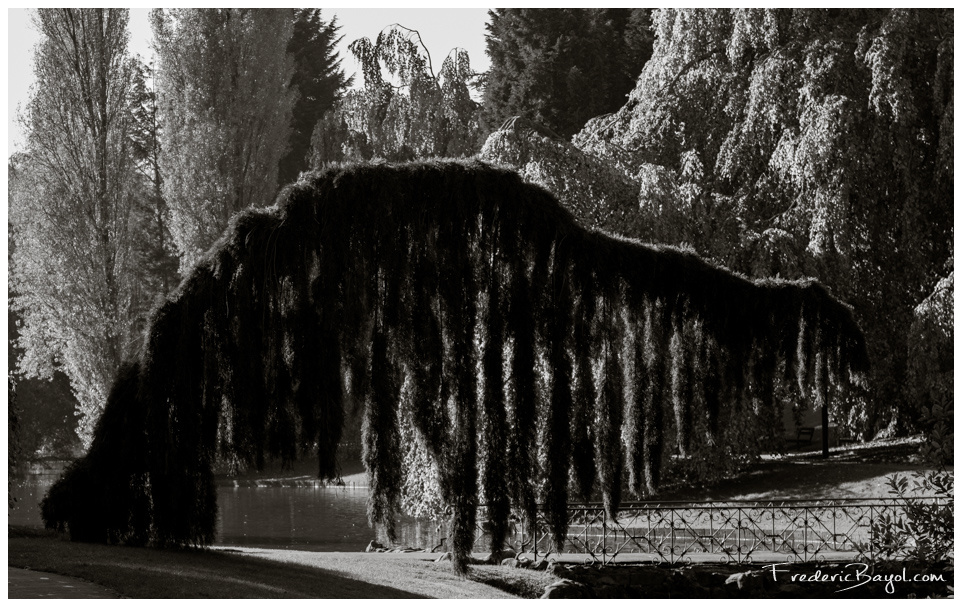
point(731, 531)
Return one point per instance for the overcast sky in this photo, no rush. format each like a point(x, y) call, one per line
point(440, 29)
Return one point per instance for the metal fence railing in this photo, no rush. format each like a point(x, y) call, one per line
point(733, 531)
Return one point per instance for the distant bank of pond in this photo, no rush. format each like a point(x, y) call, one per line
point(318, 518)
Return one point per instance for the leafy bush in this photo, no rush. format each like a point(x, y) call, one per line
point(926, 531)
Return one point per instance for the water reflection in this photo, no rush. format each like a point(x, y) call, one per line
point(313, 518)
point(29, 490)
point(305, 518)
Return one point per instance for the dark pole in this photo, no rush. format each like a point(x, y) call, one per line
point(824, 431)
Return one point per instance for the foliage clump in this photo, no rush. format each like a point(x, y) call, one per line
point(826, 133)
point(406, 109)
point(561, 67)
point(464, 308)
point(598, 194)
point(790, 142)
point(925, 531)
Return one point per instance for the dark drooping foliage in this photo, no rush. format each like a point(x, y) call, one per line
point(530, 351)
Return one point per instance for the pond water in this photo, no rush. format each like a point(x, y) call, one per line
point(316, 518)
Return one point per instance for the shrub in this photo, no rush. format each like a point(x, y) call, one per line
point(926, 531)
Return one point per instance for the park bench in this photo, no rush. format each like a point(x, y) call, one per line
point(803, 434)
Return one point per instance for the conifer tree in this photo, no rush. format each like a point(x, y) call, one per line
point(318, 79)
point(157, 247)
point(561, 67)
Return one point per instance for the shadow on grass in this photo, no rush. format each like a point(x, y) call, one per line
point(857, 472)
point(150, 573)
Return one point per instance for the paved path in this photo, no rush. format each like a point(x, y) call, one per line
point(28, 584)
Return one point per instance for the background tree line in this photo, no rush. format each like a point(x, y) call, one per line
point(778, 142)
point(131, 171)
point(790, 143)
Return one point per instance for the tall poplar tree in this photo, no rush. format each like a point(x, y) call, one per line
point(223, 85)
point(73, 207)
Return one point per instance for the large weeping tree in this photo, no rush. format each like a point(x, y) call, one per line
point(534, 359)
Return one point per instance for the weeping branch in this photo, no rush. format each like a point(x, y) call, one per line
point(451, 281)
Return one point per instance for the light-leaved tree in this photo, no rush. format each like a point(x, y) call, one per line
point(407, 109)
point(225, 102)
point(73, 207)
point(794, 143)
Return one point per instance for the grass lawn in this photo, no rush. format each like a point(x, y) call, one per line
point(854, 471)
point(221, 573)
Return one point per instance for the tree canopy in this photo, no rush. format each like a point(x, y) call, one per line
point(407, 108)
point(561, 67)
point(75, 211)
point(319, 81)
point(789, 143)
point(520, 348)
point(225, 101)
